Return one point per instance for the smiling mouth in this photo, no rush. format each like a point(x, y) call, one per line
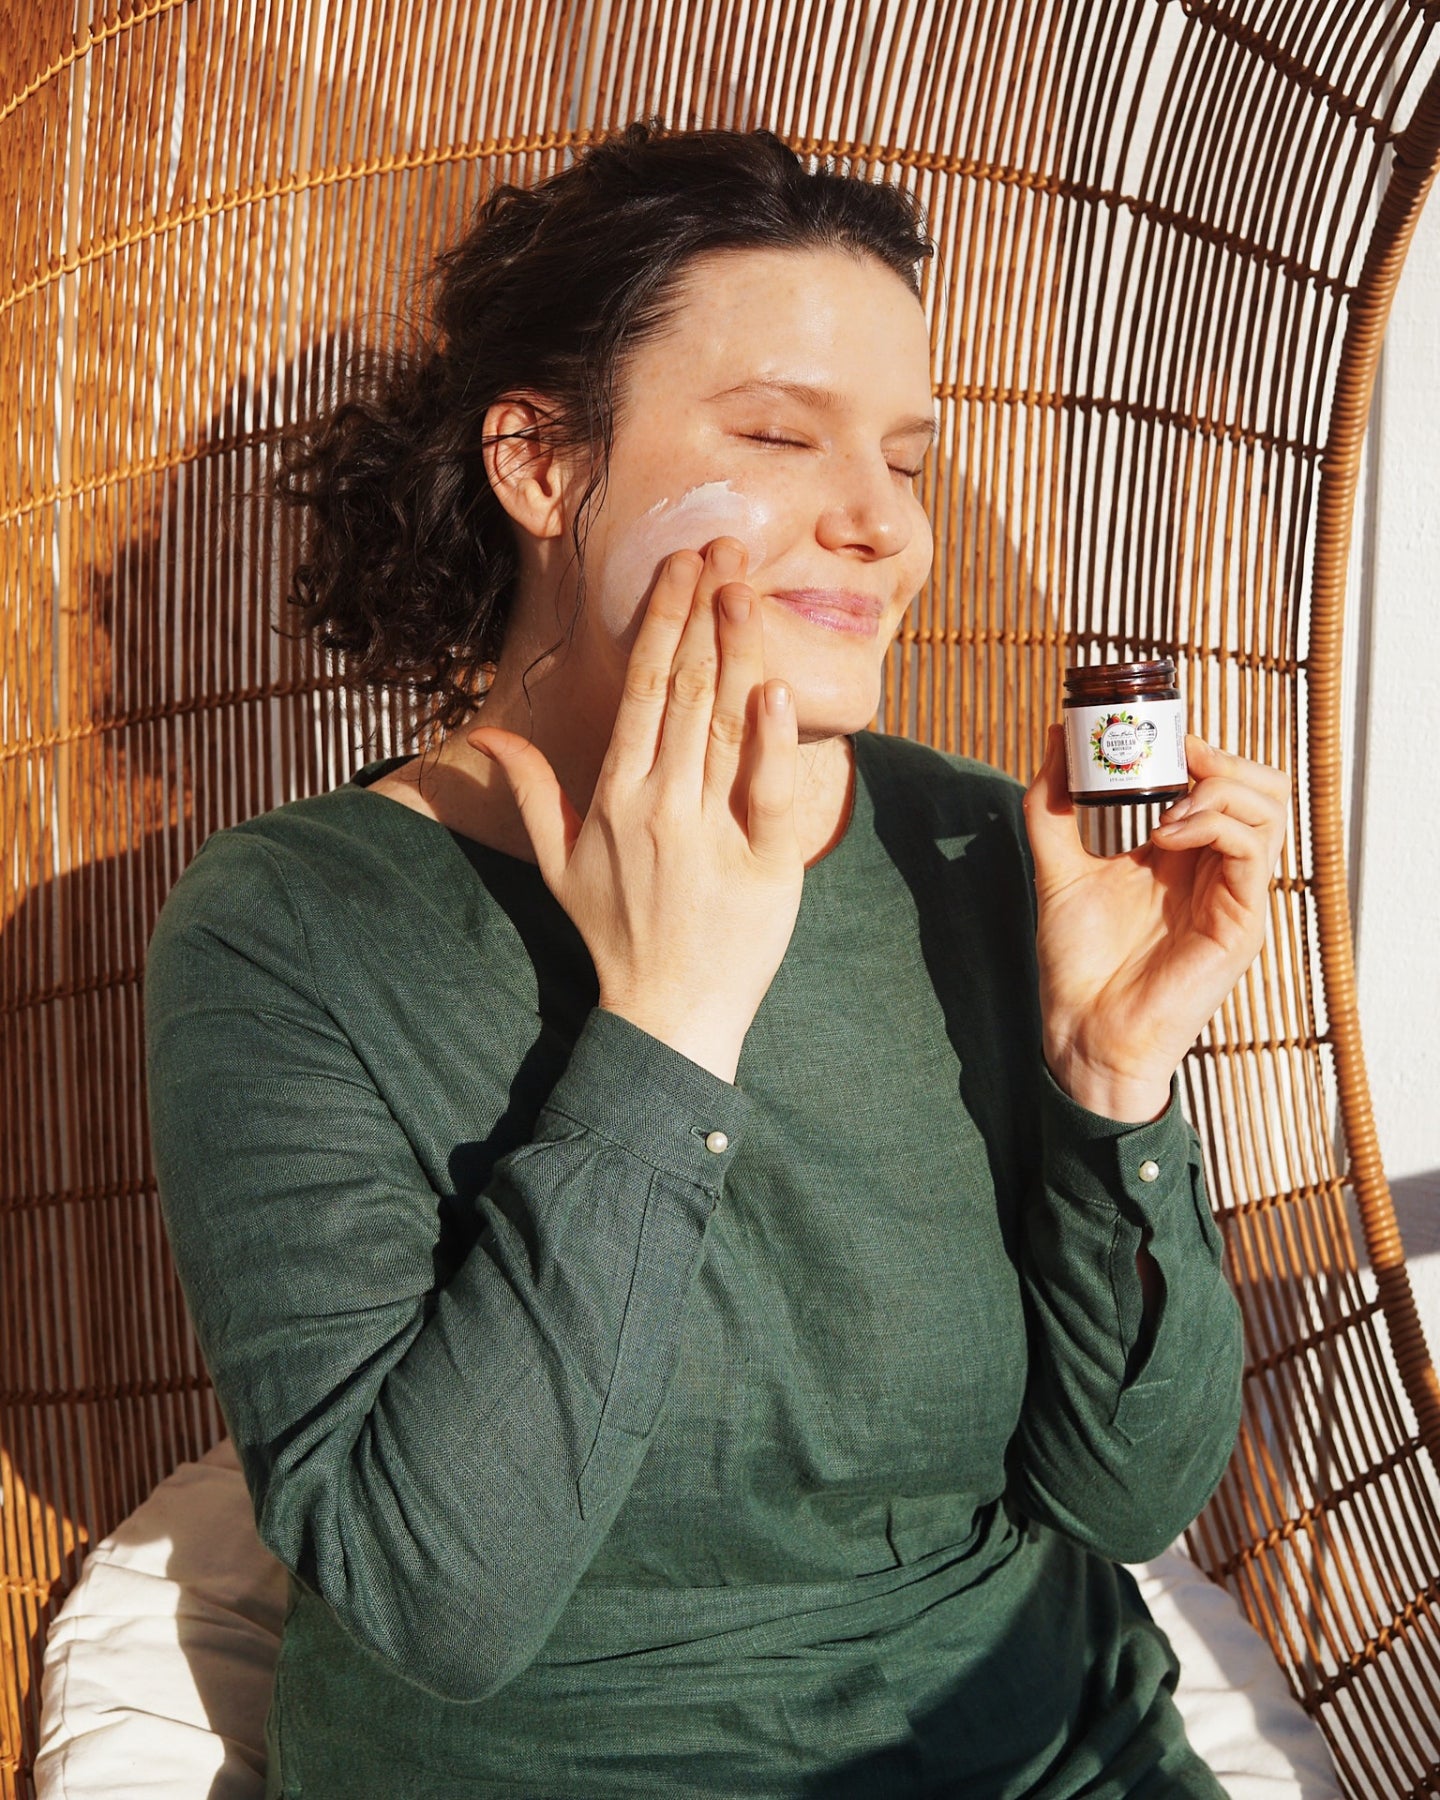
point(855, 615)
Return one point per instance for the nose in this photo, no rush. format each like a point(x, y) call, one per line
point(869, 511)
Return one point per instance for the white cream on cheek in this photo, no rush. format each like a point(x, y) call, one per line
point(715, 509)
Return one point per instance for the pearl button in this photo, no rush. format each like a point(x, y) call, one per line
point(717, 1143)
point(1149, 1171)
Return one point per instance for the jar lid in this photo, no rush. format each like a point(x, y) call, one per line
point(1097, 682)
point(1125, 671)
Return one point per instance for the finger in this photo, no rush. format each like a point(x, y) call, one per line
point(635, 738)
point(1218, 793)
point(1249, 853)
point(742, 673)
point(1050, 817)
point(694, 674)
point(1205, 758)
point(550, 821)
point(770, 812)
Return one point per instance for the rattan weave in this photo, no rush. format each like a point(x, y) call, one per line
point(1168, 230)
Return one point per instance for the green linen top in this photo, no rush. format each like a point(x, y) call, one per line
point(631, 1433)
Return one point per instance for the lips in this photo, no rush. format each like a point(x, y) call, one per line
point(834, 609)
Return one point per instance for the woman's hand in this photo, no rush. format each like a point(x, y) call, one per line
point(1137, 952)
point(684, 876)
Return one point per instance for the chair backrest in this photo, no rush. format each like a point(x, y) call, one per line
point(1168, 235)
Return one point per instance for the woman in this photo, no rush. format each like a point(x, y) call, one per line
point(699, 1301)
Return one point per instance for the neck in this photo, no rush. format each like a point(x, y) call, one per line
point(466, 791)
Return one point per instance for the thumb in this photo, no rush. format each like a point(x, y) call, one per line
point(1050, 817)
point(771, 814)
point(551, 822)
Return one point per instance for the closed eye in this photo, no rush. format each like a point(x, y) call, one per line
point(775, 437)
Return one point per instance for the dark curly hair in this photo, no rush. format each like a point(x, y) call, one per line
point(409, 561)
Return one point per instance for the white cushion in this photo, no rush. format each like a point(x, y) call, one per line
point(159, 1665)
point(1238, 1710)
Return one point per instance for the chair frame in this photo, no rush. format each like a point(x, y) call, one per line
point(145, 702)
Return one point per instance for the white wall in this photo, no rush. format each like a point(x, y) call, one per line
point(1395, 793)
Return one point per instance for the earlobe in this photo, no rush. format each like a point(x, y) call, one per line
point(529, 477)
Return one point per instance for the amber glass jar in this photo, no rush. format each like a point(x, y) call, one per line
point(1124, 749)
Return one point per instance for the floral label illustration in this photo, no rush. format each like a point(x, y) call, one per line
point(1120, 743)
point(1138, 746)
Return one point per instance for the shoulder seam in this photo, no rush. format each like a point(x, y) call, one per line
point(278, 865)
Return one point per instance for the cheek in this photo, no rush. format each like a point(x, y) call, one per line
point(689, 522)
point(924, 544)
point(918, 557)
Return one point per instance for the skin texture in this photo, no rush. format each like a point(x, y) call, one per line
point(714, 509)
point(675, 766)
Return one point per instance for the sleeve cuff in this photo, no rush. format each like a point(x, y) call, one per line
point(1112, 1164)
point(650, 1101)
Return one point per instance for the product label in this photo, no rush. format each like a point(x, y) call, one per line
point(1130, 747)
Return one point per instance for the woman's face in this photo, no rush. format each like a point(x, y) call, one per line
point(786, 404)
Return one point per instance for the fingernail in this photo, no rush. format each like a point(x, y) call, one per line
point(484, 749)
point(726, 557)
point(777, 698)
point(735, 604)
point(1176, 813)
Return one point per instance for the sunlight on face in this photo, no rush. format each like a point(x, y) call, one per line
point(786, 404)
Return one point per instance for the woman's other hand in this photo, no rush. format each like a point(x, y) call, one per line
point(1138, 952)
point(684, 876)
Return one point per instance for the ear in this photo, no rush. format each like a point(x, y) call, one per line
point(530, 478)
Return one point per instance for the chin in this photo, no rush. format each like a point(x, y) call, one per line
point(830, 712)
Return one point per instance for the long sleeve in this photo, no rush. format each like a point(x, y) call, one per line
point(439, 1459)
point(1128, 1421)
point(596, 1451)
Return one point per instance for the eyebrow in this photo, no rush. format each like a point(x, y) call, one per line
point(824, 400)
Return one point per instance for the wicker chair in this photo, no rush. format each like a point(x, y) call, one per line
point(1169, 232)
